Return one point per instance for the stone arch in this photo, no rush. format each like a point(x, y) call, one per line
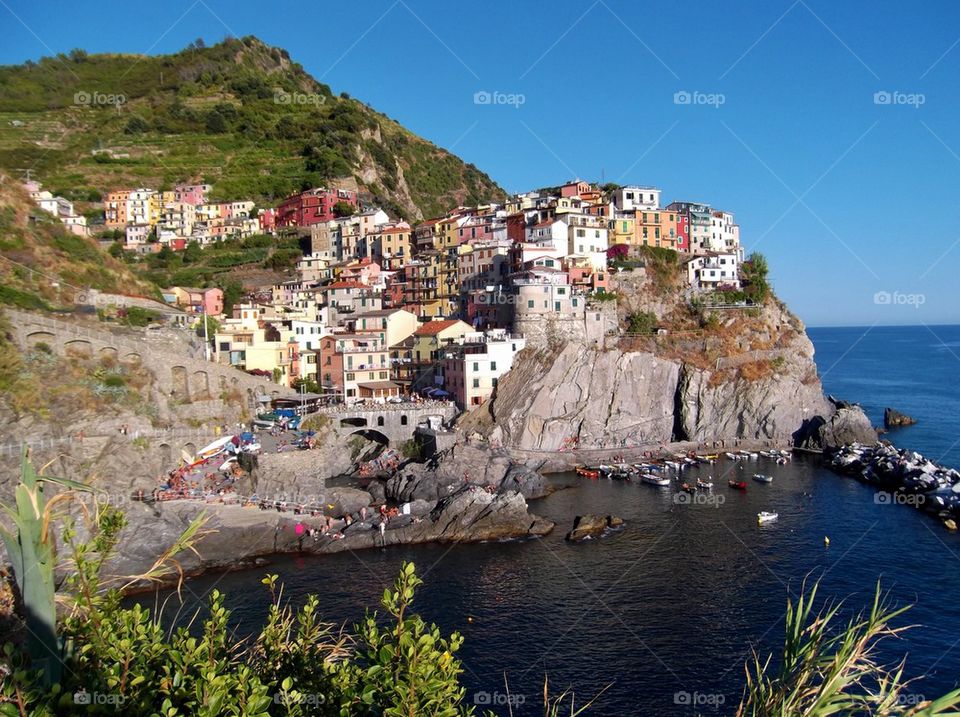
point(200, 385)
point(79, 347)
point(108, 352)
point(358, 422)
point(372, 435)
point(41, 337)
point(191, 448)
point(166, 456)
point(132, 358)
point(181, 387)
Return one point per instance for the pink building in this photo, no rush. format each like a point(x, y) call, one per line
point(574, 189)
point(194, 194)
point(199, 301)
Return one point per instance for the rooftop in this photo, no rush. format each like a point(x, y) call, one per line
point(432, 328)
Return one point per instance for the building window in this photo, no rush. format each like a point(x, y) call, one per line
point(403, 420)
point(493, 365)
point(476, 383)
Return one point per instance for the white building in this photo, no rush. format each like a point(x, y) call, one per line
point(725, 233)
point(472, 370)
point(141, 206)
point(714, 270)
point(633, 198)
point(587, 237)
point(307, 334)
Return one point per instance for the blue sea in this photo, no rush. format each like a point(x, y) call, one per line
point(913, 369)
point(666, 613)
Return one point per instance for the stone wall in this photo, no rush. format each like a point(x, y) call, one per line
point(589, 327)
point(177, 373)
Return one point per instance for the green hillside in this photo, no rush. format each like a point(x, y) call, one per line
point(42, 265)
point(239, 115)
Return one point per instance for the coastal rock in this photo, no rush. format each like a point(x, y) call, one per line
point(525, 480)
point(466, 463)
point(238, 536)
point(846, 425)
point(592, 526)
point(894, 419)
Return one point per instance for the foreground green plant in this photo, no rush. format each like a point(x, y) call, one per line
point(31, 549)
point(828, 671)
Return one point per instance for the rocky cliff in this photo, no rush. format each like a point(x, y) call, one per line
point(734, 374)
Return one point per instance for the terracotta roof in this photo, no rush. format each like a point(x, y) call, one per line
point(345, 285)
point(432, 328)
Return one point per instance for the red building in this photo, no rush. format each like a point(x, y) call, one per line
point(517, 227)
point(683, 232)
point(268, 220)
point(314, 206)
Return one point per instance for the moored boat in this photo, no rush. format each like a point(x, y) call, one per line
point(587, 472)
point(761, 478)
point(652, 479)
point(738, 484)
point(766, 517)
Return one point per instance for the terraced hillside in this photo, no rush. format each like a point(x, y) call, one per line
point(240, 115)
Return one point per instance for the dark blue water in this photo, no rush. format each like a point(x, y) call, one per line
point(914, 369)
point(669, 610)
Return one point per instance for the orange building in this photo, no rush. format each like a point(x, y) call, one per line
point(115, 208)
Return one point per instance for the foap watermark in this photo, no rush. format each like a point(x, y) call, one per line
point(303, 699)
point(699, 699)
point(498, 699)
point(509, 99)
point(82, 697)
point(910, 699)
point(897, 98)
point(700, 497)
point(708, 99)
point(898, 298)
point(917, 500)
point(496, 299)
point(85, 98)
point(280, 97)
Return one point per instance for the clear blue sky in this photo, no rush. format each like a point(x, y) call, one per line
point(845, 196)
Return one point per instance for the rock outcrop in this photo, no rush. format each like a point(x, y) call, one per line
point(714, 387)
point(593, 526)
point(465, 463)
point(240, 536)
point(847, 424)
point(894, 419)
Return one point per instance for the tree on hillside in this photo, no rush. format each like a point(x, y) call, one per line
point(192, 253)
point(343, 209)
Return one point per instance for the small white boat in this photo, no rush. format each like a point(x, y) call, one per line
point(704, 485)
point(761, 478)
point(732, 456)
point(218, 446)
point(672, 464)
point(655, 480)
point(766, 517)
